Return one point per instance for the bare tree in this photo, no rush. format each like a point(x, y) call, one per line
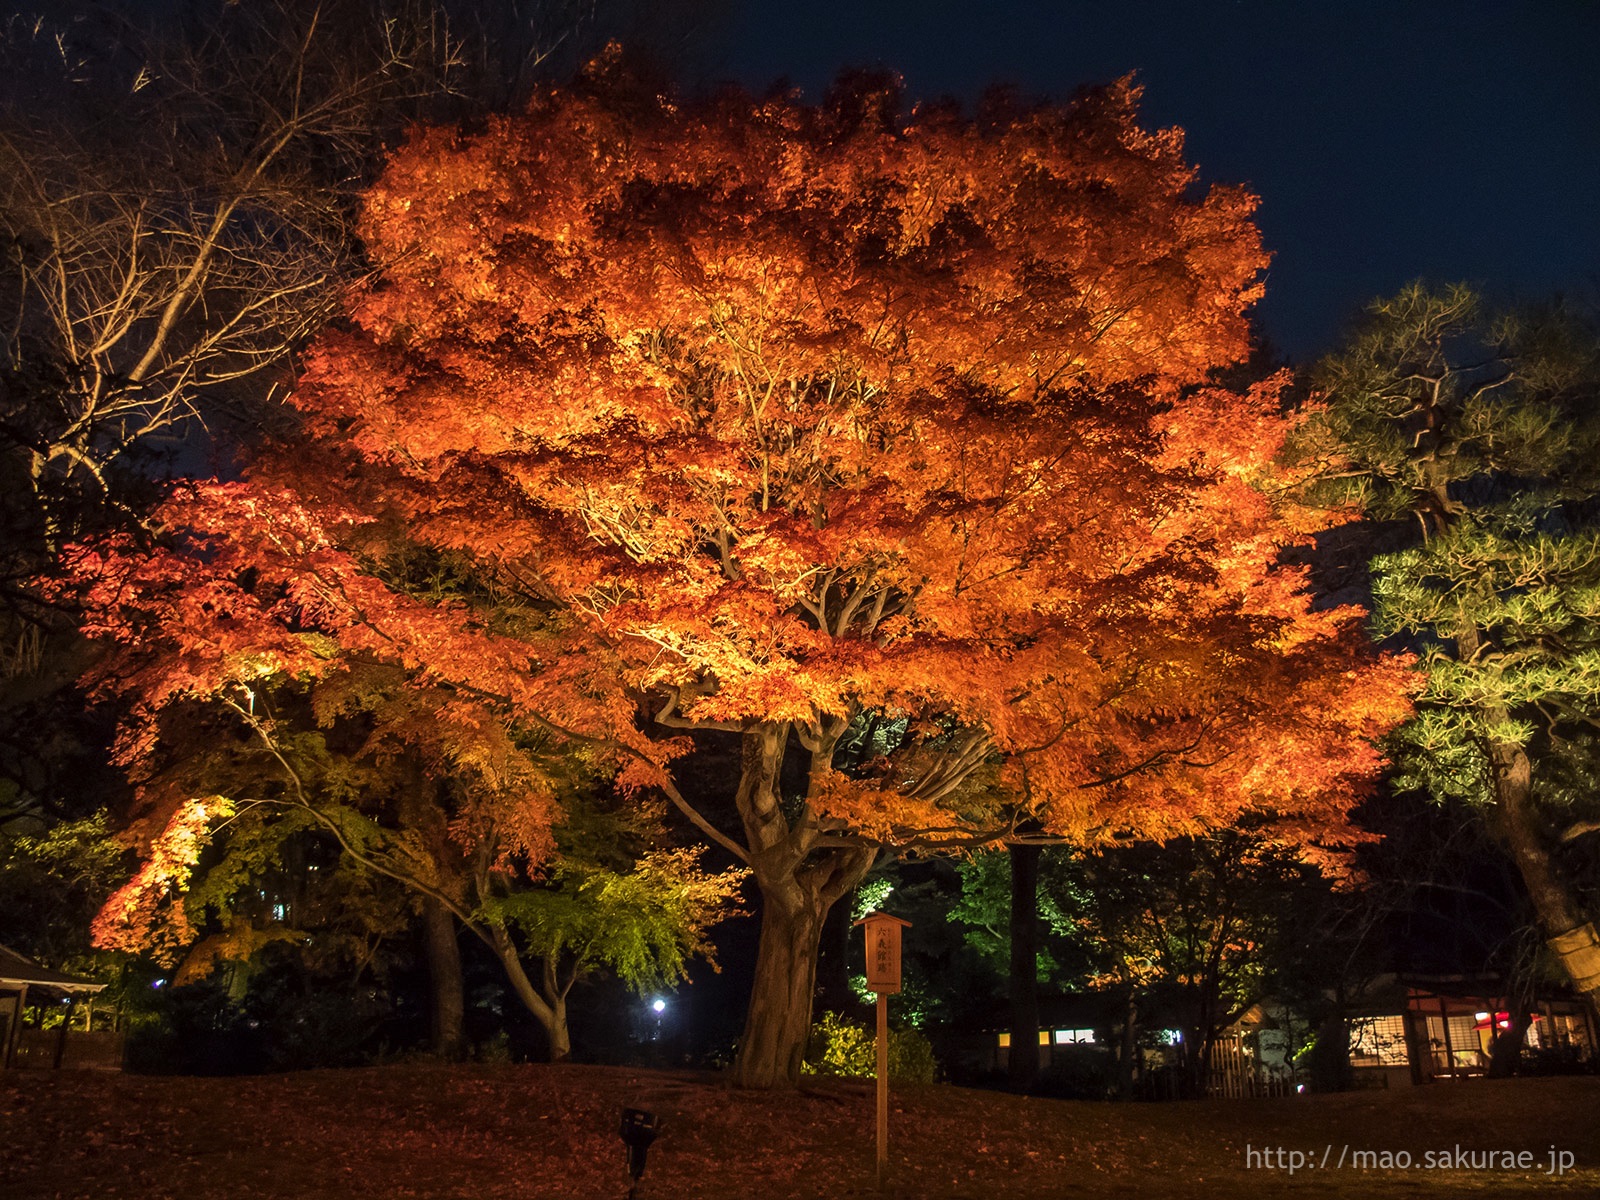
point(177, 195)
point(170, 242)
point(178, 189)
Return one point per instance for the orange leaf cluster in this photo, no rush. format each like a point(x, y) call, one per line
point(138, 915)
point(792, 414)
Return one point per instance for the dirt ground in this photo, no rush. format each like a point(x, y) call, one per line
point(536, 1131)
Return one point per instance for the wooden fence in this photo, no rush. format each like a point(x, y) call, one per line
point(37, 1048)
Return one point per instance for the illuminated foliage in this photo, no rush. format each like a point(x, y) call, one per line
point(841, 1047)
point(884, 443)
point(984, 911)
point(129, 920)
point(52, 881)
point(644, 925)
point(409, 788)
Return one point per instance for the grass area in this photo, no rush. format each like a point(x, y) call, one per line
point(486, 1132)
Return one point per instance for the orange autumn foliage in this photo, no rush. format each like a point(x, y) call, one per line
point(132, 919)
point(802, 413)
point(898, 436)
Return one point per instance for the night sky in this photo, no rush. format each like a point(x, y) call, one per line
point(1386, 140)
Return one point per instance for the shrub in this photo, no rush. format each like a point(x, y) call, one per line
point(842, 1047)
point(1079, 1073)
point(1558, 1060)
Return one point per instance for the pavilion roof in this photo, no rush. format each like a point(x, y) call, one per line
point(18, 971)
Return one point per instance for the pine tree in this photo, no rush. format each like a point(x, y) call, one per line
point(1475, 438)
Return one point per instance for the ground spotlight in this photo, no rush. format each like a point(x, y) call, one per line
point(639, 1129)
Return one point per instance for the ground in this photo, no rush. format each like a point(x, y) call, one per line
point(529, 1132)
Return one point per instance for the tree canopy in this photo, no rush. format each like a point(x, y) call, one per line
point(891, 444)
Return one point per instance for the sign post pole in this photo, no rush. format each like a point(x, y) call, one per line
point(883, 977)
point(883, 1088)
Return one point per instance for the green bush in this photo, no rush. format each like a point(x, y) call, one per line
point(842, 1047)
point(911, 1056)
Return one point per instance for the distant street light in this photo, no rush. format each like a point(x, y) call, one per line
point(659, 1007)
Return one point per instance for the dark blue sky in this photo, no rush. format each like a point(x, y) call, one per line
point(1386, 140)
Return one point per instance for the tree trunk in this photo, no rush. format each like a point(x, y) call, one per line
point(1197, 1058)
point(549, 1007)
point(834, 958)
point(794, 911)
point(1208, 1025)
point(1568, 931)
point(800, 881)
point(779, 1021)
point(1505, 1054)
point(1505, 1047)
point(1329, 1060)
point(1023, 1063)
point(448, 1015)
point(557, 1035)
point(1130, 1047)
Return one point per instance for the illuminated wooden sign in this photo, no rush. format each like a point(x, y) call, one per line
point(883, 977)
point(883, 952)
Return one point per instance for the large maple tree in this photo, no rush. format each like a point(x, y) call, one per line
point(886, 444)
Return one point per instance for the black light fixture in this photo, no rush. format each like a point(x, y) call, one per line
point(639, 1129)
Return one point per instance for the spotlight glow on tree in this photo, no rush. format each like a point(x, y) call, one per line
point(889, 444)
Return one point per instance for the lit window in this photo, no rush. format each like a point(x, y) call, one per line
point(1044, 1037)
point(1074, 1037)
point(1005, 1041)
point(1558, 1031)
point(1378, 1042)
point(1458, 1048)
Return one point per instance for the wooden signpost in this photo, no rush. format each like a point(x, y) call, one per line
point(883, 977)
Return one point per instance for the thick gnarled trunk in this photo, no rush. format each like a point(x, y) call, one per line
point(778, 1024)
point(800, 878)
